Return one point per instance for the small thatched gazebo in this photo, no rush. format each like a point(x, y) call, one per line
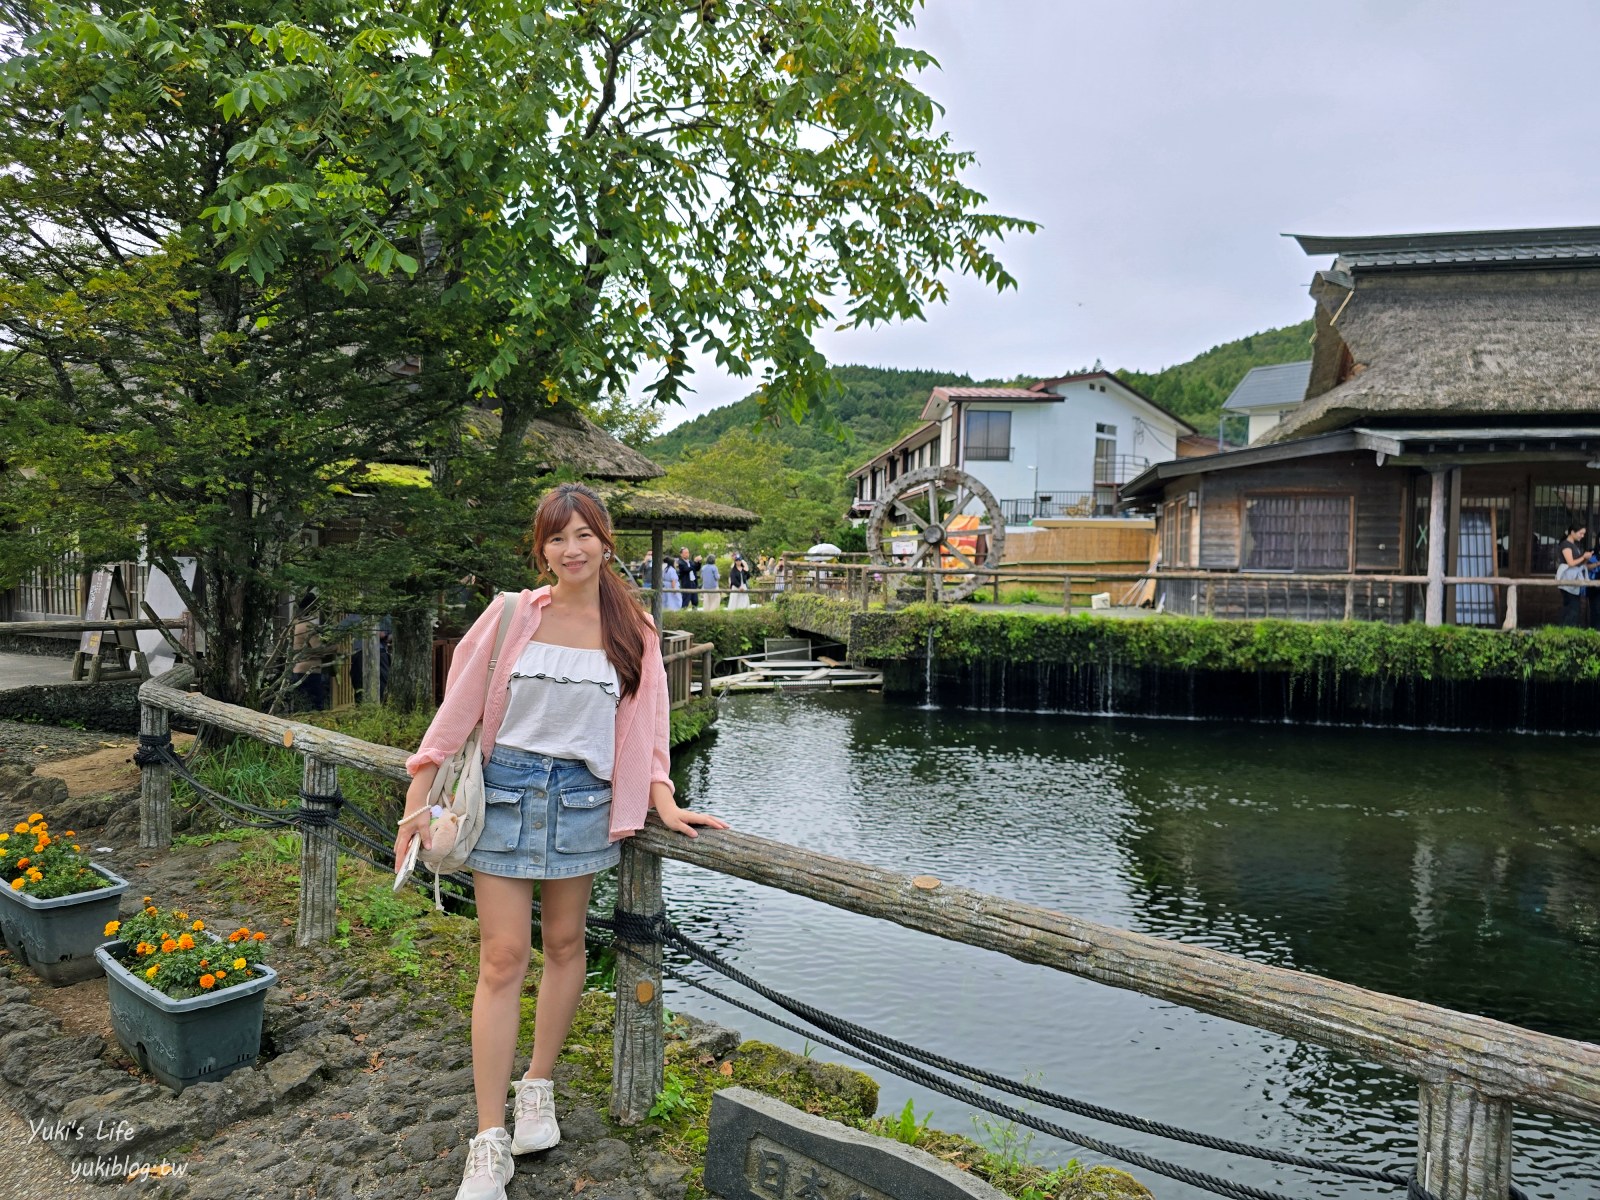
point(640, 510)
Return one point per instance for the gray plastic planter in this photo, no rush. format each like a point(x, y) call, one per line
point(57, 938)
point(185, 1041)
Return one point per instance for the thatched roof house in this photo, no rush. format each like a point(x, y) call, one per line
point(1449, 430)
point(562, 435)
point(1454, 326)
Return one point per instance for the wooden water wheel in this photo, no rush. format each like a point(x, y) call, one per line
point(934, 501)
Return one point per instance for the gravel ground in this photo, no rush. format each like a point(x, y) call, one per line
point(23, 742)
point(32, 1168)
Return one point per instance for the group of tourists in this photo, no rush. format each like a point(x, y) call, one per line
point(695, 581)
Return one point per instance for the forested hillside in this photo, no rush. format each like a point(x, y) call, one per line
point(1196, 389)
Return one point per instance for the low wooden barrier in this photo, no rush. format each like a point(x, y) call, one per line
point(1470, 1070)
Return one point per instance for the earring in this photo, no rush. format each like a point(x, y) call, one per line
point(606, 556)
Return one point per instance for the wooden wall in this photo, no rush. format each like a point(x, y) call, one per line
point(1377, 528)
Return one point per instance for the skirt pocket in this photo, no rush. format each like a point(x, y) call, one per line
point(583, 819)
point(502, 818)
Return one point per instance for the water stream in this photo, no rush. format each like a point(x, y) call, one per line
point(1460, 869)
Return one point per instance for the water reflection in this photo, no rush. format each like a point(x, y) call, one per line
point(1461, 870)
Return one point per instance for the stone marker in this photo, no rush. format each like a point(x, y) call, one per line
point(762, 1149)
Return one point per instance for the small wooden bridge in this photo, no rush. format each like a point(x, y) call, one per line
point(1470, 1070)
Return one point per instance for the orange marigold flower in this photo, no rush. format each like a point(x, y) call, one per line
point(20, 827)
point(197, 926)
point(69, 833)
point(169, 946)
point(204, 961)
point(258, 937)
point(22, 862)
point(234, 936)
point(150, 912)
point(208, 981)
point(222, 974)
point(112, 927)
point(16, 884)
point(35, 816)
point(186, 942)
point(35, 874)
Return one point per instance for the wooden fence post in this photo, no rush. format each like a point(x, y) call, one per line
point(155, 784)
point(638, 1041)
point(319, 853)
point(1463, 1143)
point(1349, 599)
point(1511, 607)
point(705, 674)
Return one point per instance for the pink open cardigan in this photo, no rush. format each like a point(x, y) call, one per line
point(640, 757)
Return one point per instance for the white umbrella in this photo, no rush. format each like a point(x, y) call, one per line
point(823, 550)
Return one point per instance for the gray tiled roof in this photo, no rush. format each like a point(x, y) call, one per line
point(1471, 247)
point(1270, 387)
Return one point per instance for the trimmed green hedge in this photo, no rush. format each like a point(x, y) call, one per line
point(737, 632)
point(1363, 648)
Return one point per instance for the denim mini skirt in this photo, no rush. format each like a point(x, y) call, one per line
point(543, 818)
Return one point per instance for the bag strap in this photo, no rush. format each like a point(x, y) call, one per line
point(499, 640)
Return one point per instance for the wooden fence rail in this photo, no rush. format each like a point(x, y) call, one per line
point(1470, 1070)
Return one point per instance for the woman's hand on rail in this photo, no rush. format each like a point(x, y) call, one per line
point(681, 820)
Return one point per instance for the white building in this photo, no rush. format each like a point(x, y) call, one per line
point(1268, 394)
point(1063, 447)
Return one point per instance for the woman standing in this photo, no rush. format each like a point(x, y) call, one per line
point(739, 584)
point(575, 716)
point(671, 597)
point(1572, 561)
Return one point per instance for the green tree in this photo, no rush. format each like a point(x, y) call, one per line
point(227, 225)
point(749, 471)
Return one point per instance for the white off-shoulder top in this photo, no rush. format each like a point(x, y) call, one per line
point(563, 702)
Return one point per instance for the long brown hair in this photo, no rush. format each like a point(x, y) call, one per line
point(622, 627)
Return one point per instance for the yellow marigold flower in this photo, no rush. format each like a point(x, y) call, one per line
point(239, 964)
point(208, 981)
point(77, 847)
point(35, 874)
point(20, 827)
point(35, 816)
point(151, 973)
point(16, 884)
point(112, 927)
point(182, 916)
point(186, 942)
point(198, 925)
point(150, 912)
point(5, 837)
point(259, 937)
point(169, 946)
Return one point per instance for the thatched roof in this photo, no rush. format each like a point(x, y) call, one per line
point(561, 435)
point(1450, 345)
point(638, 509)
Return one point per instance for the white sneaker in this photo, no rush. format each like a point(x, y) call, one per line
point(534, 1115)
point(489, 1166)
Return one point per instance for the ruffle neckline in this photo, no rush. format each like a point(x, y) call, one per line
point(568, 664)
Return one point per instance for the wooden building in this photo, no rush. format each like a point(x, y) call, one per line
point(1449, 432)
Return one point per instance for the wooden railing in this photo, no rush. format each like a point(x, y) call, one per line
point(1470, 1070)
point(865, 583)
point(681, 654)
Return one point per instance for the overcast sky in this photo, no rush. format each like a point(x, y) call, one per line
point(1165, 145)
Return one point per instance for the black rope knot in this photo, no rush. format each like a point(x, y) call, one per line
point(153, 748)
point(321, 816)
point(638, 928)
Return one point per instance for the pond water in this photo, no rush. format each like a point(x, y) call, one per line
point(1459, 869)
